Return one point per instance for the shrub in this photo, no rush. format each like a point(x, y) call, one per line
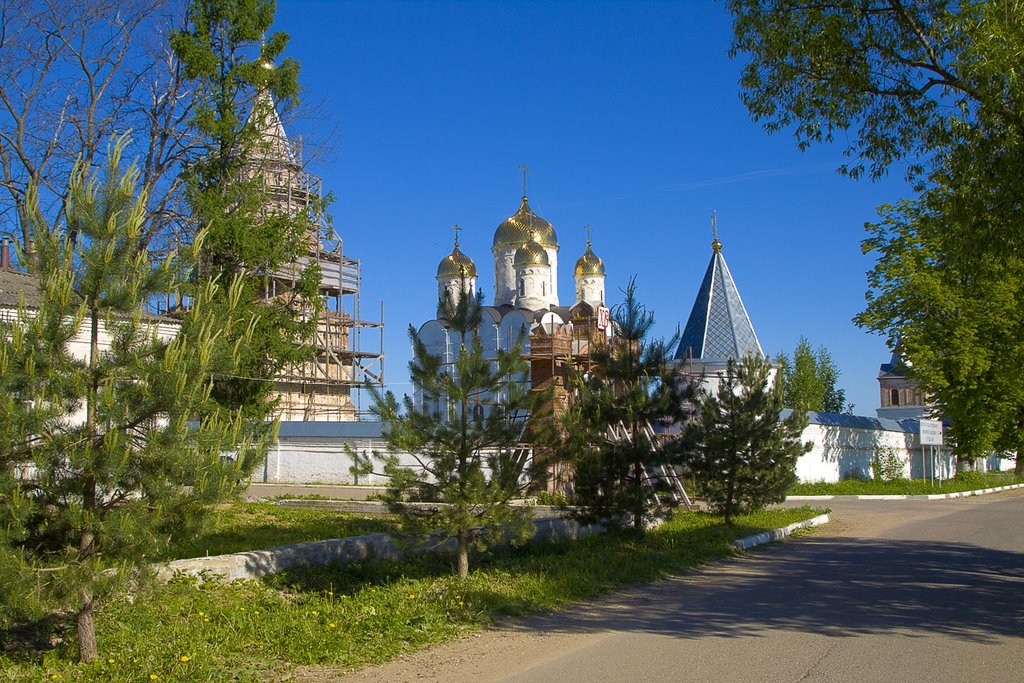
point(887, 464)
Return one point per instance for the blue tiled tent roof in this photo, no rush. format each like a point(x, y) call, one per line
point(718, 327)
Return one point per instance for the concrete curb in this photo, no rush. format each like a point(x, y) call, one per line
point(932, 496)
point(255, 564)
point(778, 534)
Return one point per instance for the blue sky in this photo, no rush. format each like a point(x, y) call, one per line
point(628, 115)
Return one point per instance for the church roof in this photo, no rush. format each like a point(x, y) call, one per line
point(718, 327)
point(590, 264)
point(896, 367)
point(520, 226)
point(531, 254)
point(456, 265)
point(273, 143)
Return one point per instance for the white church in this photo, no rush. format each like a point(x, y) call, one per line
point(525, 308)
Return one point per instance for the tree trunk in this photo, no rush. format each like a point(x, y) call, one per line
point(87, 543)
point(730, 492)
point(463, 553)
point(638, 503)
point(86, 626)
point(1018, 467)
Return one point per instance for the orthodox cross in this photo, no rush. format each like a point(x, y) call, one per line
point(456, 228)
point(525, 169)
point(588, 229)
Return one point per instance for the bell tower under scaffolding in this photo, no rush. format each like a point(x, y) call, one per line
point(327, 386)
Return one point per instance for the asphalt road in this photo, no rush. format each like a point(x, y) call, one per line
point(888, 591)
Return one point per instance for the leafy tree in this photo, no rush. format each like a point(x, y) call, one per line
point(73, 75)
point(925, 289)
point(934, 83)
point(467, 460)
point(741, 453)
point(607, 437)
point(834, 400)
point(229, 57)
point(804, 389)
point(110, 452)
point(898, 80)
point(809, 380)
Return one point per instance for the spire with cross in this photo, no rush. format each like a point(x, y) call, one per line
point(525, 169)
point(715, 244)
point(456, 229)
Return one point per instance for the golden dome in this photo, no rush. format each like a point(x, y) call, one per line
point(456, 265)
point(531, 254)
point(588, 264)
point(517, 229)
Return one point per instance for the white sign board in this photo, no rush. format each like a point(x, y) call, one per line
point(603, 316)
point(931, 433)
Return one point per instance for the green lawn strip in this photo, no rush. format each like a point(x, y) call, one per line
point(357, 614)
point(238, 527)
point(859, 487)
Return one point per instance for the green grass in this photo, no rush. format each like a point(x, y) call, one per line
point(237, 526)
point(351, 615)
point(859, 487)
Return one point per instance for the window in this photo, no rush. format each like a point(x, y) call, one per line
point(522, 287)
point(894, 397)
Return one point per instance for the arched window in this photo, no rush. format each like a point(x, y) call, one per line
point(894, 397)
point(522, 287)
point(543, 288)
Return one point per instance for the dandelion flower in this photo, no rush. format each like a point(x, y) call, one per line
point(412, 596)
point(314, 613)
point(330, 593)
point(110, 660)
point(201, 613)
point(461, 603)
point(184, 658)
point(153, 677)
point(241, 609)
point(205, 619)
point(330, 625)
point(54, 677)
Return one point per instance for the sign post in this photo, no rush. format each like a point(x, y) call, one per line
point(931, 436)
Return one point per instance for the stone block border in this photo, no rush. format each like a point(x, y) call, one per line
point(932, 496)
point(778, 534)
point(255, 564)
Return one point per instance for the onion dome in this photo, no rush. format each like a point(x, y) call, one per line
point(588, 264)
point(531, 254)
point(456, 265)
point(518, 228)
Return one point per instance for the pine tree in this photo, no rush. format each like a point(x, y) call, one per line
point(467, 460)
point(741, 453)
point(229, 59)
point(607, 437)
point(106, 459)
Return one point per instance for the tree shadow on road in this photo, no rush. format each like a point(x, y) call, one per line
point(822, 585)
